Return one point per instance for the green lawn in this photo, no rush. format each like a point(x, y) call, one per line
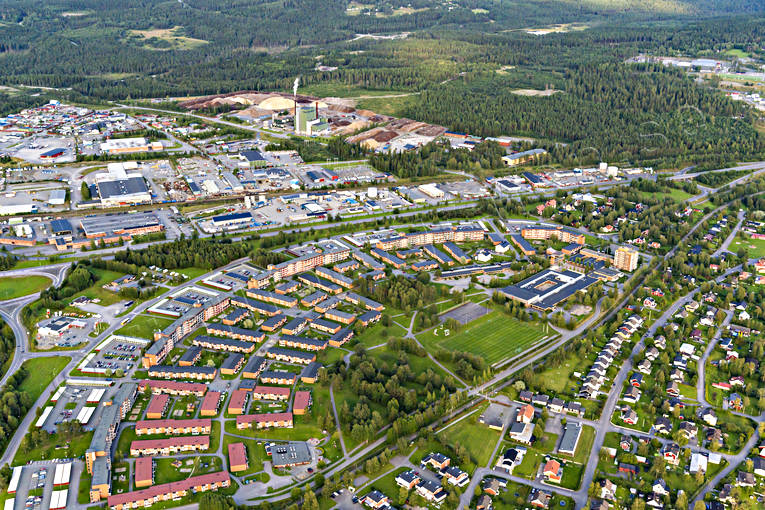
point(143, 326)
point(40, 372)
point(54, 448)
point(479, 440)
point(96, 291)
point(256, 454)
point(680, 195)
point(378, 334)
point(495, 337)
point(755, 247)
point(585, 444)
point(572, 475)
point(192, 272)
point(13, 287)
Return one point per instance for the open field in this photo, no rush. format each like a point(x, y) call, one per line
point(40, 372)
point(535, 93)
point(167, 39)
point(143, 326)
point(53, 447)
point(494, 337)
point(754, 247)
point(13, 287)
point(479, 440)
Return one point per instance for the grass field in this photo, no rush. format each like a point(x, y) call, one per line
point(11, 288)
point(755, 247)
point(41, 372)
point(479, 440)
point(143, 326)
point(96, 291)
point(495, 337)
point(54, 448)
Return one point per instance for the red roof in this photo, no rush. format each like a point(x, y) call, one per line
point(302, 400)
point(263, 418)
point(238, 399)
point(157, 404)
point(211, 401)
point(272, 390)
point(199, 422)
point(143, 469)
point(173, 386)
point(168, 488)
point(237, 454)
point(141, 444)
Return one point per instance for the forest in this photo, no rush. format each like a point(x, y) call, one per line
point(463, 59)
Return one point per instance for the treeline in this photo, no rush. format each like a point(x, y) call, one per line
point(14, 405)
point(432, 158)
point(7, 261)
point(310, 150)
point(717, 179)
point(186, 252)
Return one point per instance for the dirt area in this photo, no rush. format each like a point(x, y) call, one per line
point(579, 310)
point(169, 35)
point(535, 93)
point(556, 29)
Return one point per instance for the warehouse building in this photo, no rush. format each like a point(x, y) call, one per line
point(113, 227)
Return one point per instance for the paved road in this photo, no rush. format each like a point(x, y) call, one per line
point(701, 394)
point(724, 247)
point(337, 420)
point(758, 166)
point(77, 355)
point(604, 423)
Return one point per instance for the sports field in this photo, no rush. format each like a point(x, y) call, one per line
point(494, 337)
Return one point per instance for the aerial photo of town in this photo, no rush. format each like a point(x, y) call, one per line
point(314, 255)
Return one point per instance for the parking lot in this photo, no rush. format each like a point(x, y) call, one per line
point(119, 354)
point(35, 487)
point(66, 337)
point(68, 407)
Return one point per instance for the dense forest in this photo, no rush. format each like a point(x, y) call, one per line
point(464, 58)
point(202, 253)
point(662, 115)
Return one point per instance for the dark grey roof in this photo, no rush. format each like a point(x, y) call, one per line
point(122, 187)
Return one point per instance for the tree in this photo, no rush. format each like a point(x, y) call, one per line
point(682, 500)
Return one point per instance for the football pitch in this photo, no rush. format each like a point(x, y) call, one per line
point(494, 337)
